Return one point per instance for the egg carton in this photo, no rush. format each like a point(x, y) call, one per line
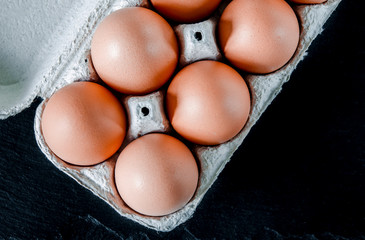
point(61, 55)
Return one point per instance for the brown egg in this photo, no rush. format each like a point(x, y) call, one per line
point(156, 174)
point(258, 36)
point(308, 1)
point(83, 123)
point(208, 102)
point(185, 10)
point(134, 50)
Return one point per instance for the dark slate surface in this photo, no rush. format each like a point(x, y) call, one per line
point(300, 174)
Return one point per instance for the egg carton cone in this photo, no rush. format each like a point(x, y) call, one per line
point(51, 49)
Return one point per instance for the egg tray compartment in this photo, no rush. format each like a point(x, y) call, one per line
point(197, 42)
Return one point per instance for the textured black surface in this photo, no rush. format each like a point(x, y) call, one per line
point(300, 174)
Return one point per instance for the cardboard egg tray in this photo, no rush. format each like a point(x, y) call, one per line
point(58, 54)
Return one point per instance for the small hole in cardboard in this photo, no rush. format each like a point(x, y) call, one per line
point(145, 111)
point(198, 36)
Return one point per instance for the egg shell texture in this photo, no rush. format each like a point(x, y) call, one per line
point(84, 123)
point(308, 1)
point(185, 11)
point(264, 88)
point(208, 102)
point(156, 174)
point(127, 49)
point(258, 36)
